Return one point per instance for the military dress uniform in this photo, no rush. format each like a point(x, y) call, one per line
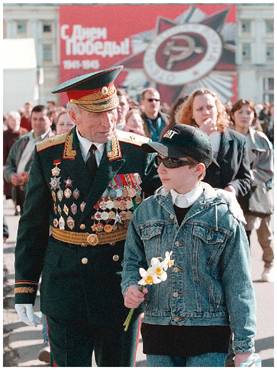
point(79, 257)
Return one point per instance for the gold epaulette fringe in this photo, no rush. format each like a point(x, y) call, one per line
point(130, 137)
point(52, 141)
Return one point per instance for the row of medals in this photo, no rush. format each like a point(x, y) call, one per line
point(114, 210)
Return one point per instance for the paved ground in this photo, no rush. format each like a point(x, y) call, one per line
point(27, 341)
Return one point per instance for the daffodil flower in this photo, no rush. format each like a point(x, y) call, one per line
point(167, 262)
point(148, 277)
point(158, 269)
point(155, 274)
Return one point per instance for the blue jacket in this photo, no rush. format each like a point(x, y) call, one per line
point(210, 282)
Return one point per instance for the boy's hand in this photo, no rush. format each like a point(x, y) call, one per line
point(241, 357)
point(134, 297)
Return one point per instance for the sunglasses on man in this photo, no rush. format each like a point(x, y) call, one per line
point(169, 162)
point(150, 100)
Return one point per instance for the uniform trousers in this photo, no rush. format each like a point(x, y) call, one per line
point(263, 225)
point(72, 343)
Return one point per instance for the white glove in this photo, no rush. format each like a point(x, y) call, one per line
point(233, 204)
point(26, 314)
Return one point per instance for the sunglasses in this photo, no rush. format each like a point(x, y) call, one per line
point(172, 162)
point(150, 100)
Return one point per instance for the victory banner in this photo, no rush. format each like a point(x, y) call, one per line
point(175, 48)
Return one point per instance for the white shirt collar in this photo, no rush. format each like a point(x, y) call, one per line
point(187, 199)
point(85, 145)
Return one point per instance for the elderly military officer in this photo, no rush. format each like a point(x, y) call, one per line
point(86, 184)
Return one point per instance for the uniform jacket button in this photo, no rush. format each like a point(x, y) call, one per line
point(84, 261)
point(115, 257)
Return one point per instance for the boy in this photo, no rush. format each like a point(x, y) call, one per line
point(208, 295)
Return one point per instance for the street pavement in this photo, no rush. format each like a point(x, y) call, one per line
point(25, 341)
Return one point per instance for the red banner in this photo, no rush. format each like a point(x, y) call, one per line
point(175, 48)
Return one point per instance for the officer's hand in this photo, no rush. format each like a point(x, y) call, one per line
point(233, 204)
point(26, 314)
point(133, 296)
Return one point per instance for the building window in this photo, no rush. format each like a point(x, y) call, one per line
point(268, 93)
point(47, 28)
point(269, 26)
point(269, 52)
point(246, 52)
point(47, 52)
point(21, 27)
point(246, 26)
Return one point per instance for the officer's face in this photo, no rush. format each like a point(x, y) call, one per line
point(96, 127)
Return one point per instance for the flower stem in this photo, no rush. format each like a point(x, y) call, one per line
point(128, 319)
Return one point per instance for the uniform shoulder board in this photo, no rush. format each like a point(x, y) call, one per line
point(52, 141)
point(131, 138)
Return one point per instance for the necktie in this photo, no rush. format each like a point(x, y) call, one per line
point(91, 162)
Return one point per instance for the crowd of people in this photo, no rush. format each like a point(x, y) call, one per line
point(49, 163)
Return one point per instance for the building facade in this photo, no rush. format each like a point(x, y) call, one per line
point(254, 53)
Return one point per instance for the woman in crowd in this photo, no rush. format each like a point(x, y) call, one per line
point(258, 203)
point(204, 109)
point(64, 123)
point(134, 122)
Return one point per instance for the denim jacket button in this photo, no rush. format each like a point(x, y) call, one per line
point(177, 243)
point(175, 294)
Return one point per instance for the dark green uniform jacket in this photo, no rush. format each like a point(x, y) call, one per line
point(79, 280)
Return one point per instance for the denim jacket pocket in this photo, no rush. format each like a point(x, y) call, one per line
point(209, 244)
point(151, 238)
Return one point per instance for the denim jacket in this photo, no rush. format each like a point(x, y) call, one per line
point(210, 282)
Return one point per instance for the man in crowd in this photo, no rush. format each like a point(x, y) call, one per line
point(154, 119)
point(85, 184)
point(20, 155)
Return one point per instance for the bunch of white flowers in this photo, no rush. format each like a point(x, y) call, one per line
point(155, 274)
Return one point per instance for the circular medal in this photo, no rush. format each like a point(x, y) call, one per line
point(60, 195)
point(109, 204)
point(112, 194)
point(99, 227)
point(123, 215)
point(55, 171)
point(76, 193)
point(67, 193)
point(55, 222)
point(112, 215)
point(82, 226)
point(97, 215)
point(54, 196)
point(108, 228)
point(138, 199)
point(104, 216)
point(102, 204)
point(122, 205)
point(125, 192)
point(70, 223)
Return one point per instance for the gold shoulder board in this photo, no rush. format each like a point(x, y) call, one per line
point(131, 138)
point(52, 141)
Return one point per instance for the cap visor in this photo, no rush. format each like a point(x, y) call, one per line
point(155, 148)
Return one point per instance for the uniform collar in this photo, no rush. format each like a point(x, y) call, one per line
point(85, 145)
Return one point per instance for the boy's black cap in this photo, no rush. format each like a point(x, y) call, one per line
point(182, 141)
